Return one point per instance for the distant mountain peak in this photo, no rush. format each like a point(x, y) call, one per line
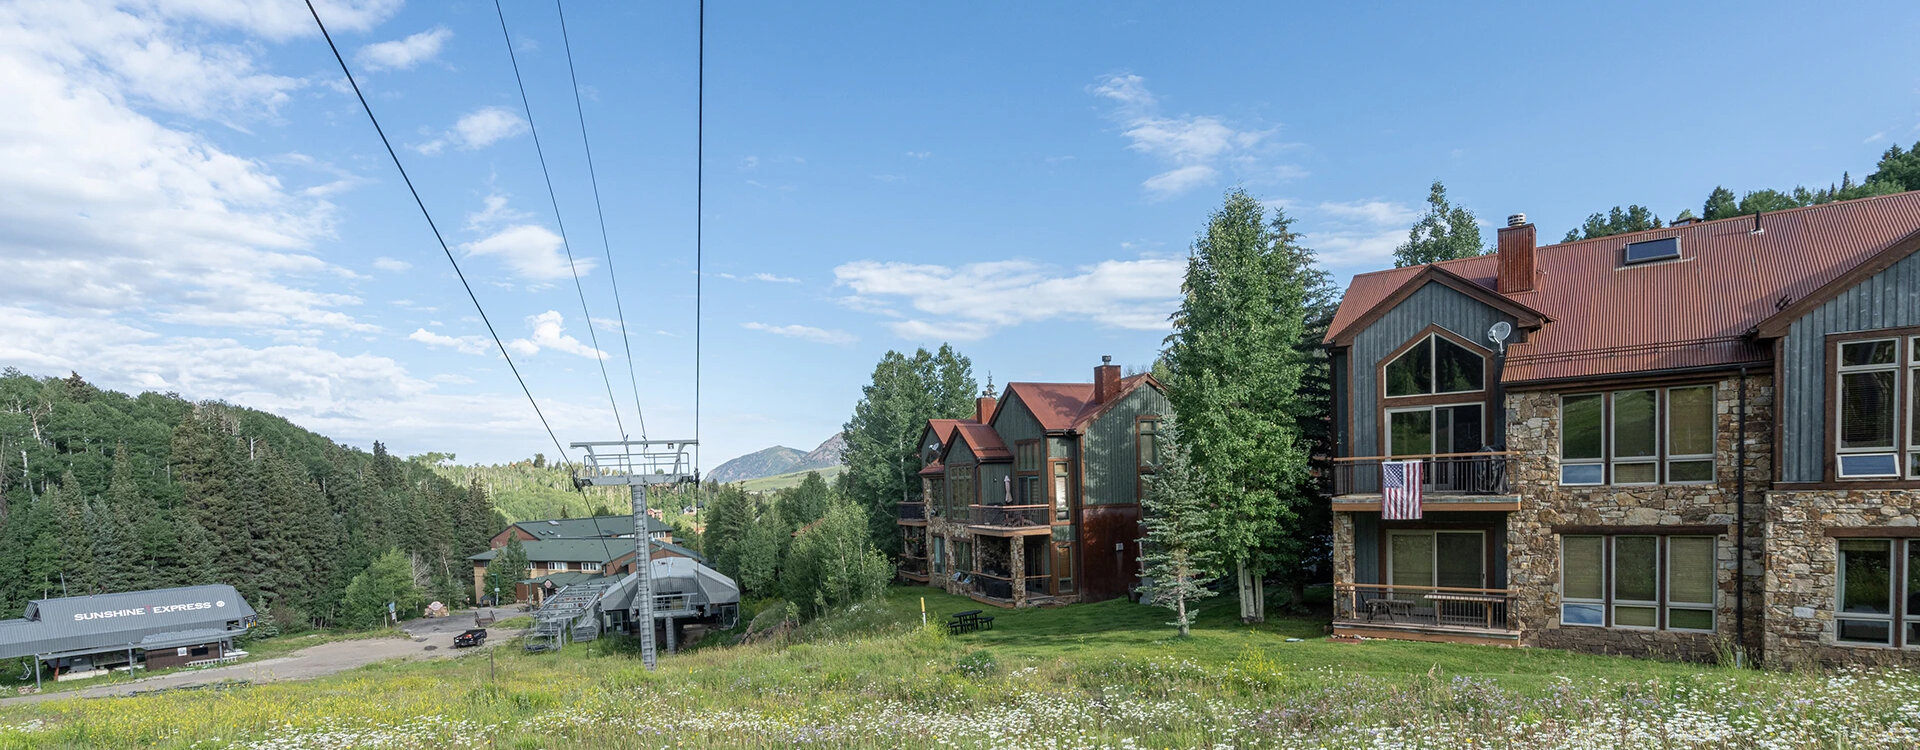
point(778, 460)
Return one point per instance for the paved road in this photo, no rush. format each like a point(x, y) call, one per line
point(431, 639)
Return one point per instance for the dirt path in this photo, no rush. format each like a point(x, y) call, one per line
point(432, 639)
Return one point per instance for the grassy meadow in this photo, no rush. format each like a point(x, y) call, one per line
point(779, 482)
point(1100, 675)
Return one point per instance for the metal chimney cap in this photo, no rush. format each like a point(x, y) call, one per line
point(1106, 359)
point(1516, 220)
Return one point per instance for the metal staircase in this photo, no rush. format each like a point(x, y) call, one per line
point(572, 614)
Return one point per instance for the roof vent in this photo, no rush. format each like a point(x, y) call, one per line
point(1516, 220)
point(553, 523)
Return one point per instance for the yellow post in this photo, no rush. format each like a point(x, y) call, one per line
point(923, 611)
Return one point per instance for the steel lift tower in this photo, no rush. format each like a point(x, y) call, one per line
point(638, 465)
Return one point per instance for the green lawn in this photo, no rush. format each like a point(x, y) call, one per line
point(1098, 675)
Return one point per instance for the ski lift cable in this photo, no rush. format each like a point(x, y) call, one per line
point(593, 177)
point(699, 214)
point(437, 236)
point(554, 198)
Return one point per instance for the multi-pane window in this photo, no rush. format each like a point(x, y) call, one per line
point(1638, 581)
point(1878, 602)
point(590, 567)
point(1867, 443)
point(1429, 430)
point(937, 495)
point(962, 555)
point(1026, 470)
point(1146, 447)
point(557, 565)
point(1435, 365)
point(960, 493)
point(1062, 509)
point(1638, 436)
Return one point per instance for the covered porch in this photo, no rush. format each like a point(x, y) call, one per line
point(1015, 569)
point(1441, 578)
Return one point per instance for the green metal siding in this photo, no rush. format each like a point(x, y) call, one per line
point(1433, 304)
point(1110, 464)
point(1889, 299)
point(993, 489)
point(1014, 422)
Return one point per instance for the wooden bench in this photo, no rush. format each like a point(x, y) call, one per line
point(1390, 608)
point(969, 621)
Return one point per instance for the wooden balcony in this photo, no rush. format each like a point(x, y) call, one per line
point(1459, 475)
point(1010, 520)
point(911, 514)
point(1424, 613)
point(913, 567)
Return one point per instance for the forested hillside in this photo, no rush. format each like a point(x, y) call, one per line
point(101, 491)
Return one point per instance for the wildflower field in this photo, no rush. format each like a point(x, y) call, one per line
point(1103, 675)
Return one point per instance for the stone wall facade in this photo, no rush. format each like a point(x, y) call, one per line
point(1802, 583)
point(1533, 542)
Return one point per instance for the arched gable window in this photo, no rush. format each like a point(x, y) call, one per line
point(1435, 366)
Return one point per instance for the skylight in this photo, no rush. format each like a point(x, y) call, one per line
point(1665, 248)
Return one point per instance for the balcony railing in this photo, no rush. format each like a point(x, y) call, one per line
point(1000, 586)
point(913, 565)
point(1009, 516)
point(912, 511)
point(1441, 473)
point(1375, 605)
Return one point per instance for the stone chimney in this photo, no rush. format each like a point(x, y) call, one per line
point(983, 407)
point(1106, 380)
point(1516, 247)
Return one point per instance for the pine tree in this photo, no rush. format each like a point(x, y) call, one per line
point(507, 568)
point(1444, 232)
point(1235, 372)
point(1178, 556)
point(882, 454)
point(1720, 204)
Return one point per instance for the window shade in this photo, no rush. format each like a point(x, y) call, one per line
point(1690, 421)
point(1690, 563)
point(1633, 424)
point(1634, 566)
point(1581, 566)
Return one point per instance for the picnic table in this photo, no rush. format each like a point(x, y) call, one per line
point(969, 621)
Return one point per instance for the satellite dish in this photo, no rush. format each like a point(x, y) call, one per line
point(1498, 335)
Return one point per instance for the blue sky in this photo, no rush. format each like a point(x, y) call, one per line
point(196, 203)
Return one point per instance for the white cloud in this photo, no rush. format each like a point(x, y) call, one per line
point(549, 332)
point(969, 301)
point(1177, 181)
point(1875, 137)
point(109, 211)
point(919, 154)
point(775, 279)
point(476, 130)
point(804, 333)
point(393, 265)
point(530, 251)
point(1194, 147)
point(495, 213)
point(464, 344)
point(404, 54)
point(1370, 211)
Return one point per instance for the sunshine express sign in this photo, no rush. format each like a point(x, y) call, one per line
point(157, 609)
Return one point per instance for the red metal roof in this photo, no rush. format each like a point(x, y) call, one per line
point(934, 469)
point(984, 442)
point(1611, 319)
point(1066, 406)
point(943, 428)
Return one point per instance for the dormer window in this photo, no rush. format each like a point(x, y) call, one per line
point(1434, 366)
point(1665, 248)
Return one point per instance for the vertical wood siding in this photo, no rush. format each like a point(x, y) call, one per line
point(1111, 463)
point(1433, 304)
point(1889, 299)
point(1014, 422)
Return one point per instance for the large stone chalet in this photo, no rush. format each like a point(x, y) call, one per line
point(1672, 442)
point(1036, 498)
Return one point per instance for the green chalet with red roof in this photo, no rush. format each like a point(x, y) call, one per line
point(1035, 500)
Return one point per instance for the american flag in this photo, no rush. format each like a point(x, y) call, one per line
point(1400, 490)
